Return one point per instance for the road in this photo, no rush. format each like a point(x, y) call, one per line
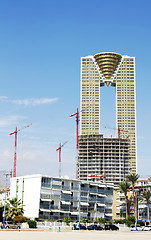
point(74, 235)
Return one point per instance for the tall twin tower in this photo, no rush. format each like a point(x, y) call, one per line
point(114, 157)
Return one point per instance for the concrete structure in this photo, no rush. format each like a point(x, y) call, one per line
point(99, 156)
point(117, 71)
point(47, 197)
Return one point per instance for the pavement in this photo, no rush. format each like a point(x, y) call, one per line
point(74, 235)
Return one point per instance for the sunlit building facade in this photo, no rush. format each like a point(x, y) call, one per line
point(116, 71)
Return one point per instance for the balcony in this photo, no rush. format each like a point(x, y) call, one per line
point(66, 187)
point(76, 198)
point(75, 188)
point(46, 185)
point(45, 196)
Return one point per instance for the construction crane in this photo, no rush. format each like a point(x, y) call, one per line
point(77, 133)
point(119, 130)
point(15, 153)
point(77, 129)
point(59, 149)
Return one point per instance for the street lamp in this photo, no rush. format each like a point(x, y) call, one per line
point(136, 207)
point(79, 202)
point(6, 174)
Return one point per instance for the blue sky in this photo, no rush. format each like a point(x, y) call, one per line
point(41, 43)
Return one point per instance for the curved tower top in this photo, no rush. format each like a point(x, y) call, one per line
point(108, 62)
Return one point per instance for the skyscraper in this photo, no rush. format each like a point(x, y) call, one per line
point(117, 71)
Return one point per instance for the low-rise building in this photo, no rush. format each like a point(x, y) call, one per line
point(54, 198)
point(119, 209)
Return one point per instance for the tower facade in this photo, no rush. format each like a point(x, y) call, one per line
point(116, 71)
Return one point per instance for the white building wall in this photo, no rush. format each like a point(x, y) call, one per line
point(28, 192)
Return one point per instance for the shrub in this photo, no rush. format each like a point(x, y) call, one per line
point(50, 220)
point(20, 219)
point(67, 220)
point(102, 220)
point(120, 221)
point(84, 220)
point(130, 220)
point(32, 223)
point(59, 220)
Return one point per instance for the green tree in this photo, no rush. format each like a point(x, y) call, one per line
point(130, 220)
point(146, 195)
point(132, 179)
point(67, 220)
point(125, 188)
point(14, 208)
point(83, 220)
point(1, 213)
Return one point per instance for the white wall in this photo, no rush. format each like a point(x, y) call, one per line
point(30, 195)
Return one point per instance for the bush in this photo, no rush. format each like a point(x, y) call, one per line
point(32, 223)
point(130, 220)
point(1, 213)
point(120, 221)
point(67, 220)
point(102, 220)
point(50, 220)
point(84, 220)
point(20, 219)
point(59, 220)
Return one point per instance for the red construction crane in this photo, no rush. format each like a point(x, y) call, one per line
point(119, 130)
point(15, 153)
point(77, 133)
point(59, 149)
point(77, 130)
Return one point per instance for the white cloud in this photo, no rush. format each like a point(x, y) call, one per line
point(29, 101)
point(9, 120)
point(3, 97)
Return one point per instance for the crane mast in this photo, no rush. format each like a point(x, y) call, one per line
point(15, 152)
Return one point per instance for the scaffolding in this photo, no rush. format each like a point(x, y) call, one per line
point(103, 159)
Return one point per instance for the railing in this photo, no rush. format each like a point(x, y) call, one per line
point(84, 199)
point(56, 186)
point(68, 198)
point(43, 206)
point(55, 196)
point(48, 185)
point(45, 196)
point(74, 209)
point(100, 209)
point(54, 207)
point(65, 208)
point(74, 198)
point(93, 190)
point(100, 200)
point(65, 187)
point(75, 188)
point(84, 189)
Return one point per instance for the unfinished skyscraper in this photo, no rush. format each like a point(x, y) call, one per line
point(117, 71)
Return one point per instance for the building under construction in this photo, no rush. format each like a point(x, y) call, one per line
point(105, 159)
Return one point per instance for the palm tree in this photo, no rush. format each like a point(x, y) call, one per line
point(132, 178)
point(125, 188)
point(146, 195)
point(14, 208)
